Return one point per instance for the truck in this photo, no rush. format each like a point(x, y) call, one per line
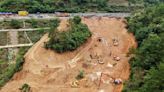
point(23, 13)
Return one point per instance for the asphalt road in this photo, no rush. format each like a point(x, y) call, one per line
point(52, 16)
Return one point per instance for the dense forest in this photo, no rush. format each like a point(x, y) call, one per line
point(51, 6)
point(147, 64)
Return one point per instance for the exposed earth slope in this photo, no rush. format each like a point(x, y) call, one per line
point(47, 71)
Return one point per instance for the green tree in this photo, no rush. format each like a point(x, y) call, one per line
point(80, 75)
point(54, 23)
point(76, 20)
point(25, 88)
point(147, 63)
point(154, 80)
point(149, 52)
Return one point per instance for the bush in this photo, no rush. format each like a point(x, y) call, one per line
point(80, 75)
point(54, 23)
point(15, 24)
point(25, 88)
point(33, 23)
point(76, 19)
point(12, 68)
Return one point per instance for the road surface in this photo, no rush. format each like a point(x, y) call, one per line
point(52, 16)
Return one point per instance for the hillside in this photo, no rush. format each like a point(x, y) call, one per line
point(51, 6)
point(82, 46)
point(46, 70)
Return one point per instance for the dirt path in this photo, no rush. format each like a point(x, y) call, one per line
point(73, 61)
point(13, 37)
point(47, 71)
point(12, 52)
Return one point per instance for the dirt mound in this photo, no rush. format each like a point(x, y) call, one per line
point(47, 71)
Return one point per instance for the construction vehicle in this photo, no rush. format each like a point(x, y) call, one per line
point(117, 81)
point(75, 84)
point(23, 13)
point(115, 42)
point(116, 58)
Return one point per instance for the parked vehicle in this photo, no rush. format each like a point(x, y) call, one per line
point(23, 13)
point(6, 13)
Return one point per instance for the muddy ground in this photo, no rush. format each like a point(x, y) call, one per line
point(47, 71)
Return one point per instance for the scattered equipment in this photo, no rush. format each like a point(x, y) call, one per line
point(116, 58)
point(117, 81)
point(115, 42)
point(75, 84)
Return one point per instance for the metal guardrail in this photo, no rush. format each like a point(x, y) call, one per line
point(30, 29)
point(16, 46)
point(20, 45)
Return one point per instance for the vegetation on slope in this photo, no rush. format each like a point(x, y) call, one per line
point(147, 65)
point(51, 6)
point(69, 40)
point(8, 70)
point(145, 2)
